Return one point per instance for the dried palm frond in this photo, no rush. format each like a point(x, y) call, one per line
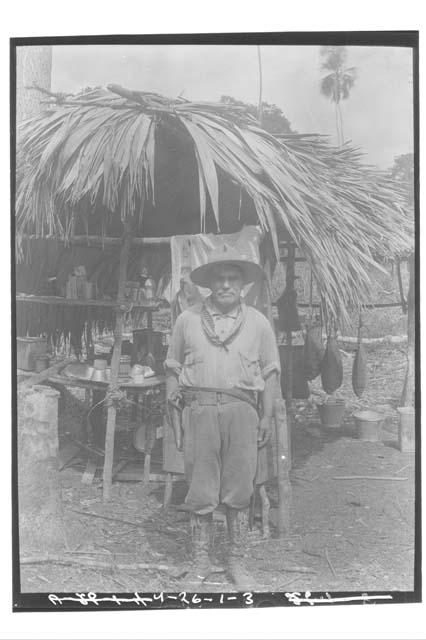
point(100, 148)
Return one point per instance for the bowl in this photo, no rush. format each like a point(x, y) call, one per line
point(78, 370)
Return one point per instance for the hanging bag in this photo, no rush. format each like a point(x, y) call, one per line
point(313, 350)
point(331, 366)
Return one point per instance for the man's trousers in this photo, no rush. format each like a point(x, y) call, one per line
point(220, 454)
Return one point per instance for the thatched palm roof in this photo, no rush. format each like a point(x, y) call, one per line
point(104, 155)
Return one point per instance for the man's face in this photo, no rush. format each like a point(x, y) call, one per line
point(226, 285)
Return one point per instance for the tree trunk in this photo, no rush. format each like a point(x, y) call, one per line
point(41, 526)
point(336, 113)
point(342, 137)
point(408, 399)
point(33, 66)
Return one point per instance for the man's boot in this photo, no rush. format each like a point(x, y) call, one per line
point(238, 527)
point(201, 565)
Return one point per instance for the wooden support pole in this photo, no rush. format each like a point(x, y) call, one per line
point(289, 350)
point(408, 393)
point(168, 490)
point(283, 468)
point(115, 363)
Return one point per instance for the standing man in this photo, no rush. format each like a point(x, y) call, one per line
point(222, 366)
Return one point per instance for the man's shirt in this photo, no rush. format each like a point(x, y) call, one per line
point(244, 362)
point(223, 322)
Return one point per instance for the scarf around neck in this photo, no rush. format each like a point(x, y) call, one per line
point(208, 325)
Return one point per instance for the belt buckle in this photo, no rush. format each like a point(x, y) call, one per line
point(220, 397)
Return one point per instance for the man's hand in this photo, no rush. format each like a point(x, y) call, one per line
point(264, 432)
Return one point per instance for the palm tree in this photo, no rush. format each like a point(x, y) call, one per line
point(337, 84)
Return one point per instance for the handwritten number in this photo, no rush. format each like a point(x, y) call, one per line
point(183, 598)
point(160, 596)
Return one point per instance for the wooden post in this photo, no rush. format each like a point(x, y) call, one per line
point(283, 468)
point(408, 399)
point(291, 252)
point(115, 363)
point(168, 490)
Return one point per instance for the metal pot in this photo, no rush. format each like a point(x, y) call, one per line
point(98, 375)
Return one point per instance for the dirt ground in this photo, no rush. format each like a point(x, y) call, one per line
point(346, 535)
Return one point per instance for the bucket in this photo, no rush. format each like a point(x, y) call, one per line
point(406, 432)
point(369, 425)
point(331, 413)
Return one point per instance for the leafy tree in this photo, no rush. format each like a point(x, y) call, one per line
point(273, 119)
point(336, 85)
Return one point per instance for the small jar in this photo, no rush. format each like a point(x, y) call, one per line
point(149, 288)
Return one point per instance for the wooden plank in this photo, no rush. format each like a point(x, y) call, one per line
point(381, 305)
point(37, 378)
point(284, 486)
point(101, 241)
point(83, 302)
point(90, 471)
point(137, 476)
point(168, 490)
point(149, 383)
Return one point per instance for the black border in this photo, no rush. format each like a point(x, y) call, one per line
point(39, 601)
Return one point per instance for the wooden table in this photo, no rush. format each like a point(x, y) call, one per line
point(128, 385)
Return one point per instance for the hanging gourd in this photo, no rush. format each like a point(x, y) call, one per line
point(313, 350)
point(331, 366)
point(359, 368)
point(313, 353)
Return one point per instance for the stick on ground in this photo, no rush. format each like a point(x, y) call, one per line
point(96, 564)
point(367, 478)
point(98, 515)
point(329, 563)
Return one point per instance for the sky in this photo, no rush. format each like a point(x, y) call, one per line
point(377, 117)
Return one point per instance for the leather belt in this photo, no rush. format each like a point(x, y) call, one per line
point(214, 397)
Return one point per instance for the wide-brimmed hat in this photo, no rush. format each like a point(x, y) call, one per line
point(230, 256)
